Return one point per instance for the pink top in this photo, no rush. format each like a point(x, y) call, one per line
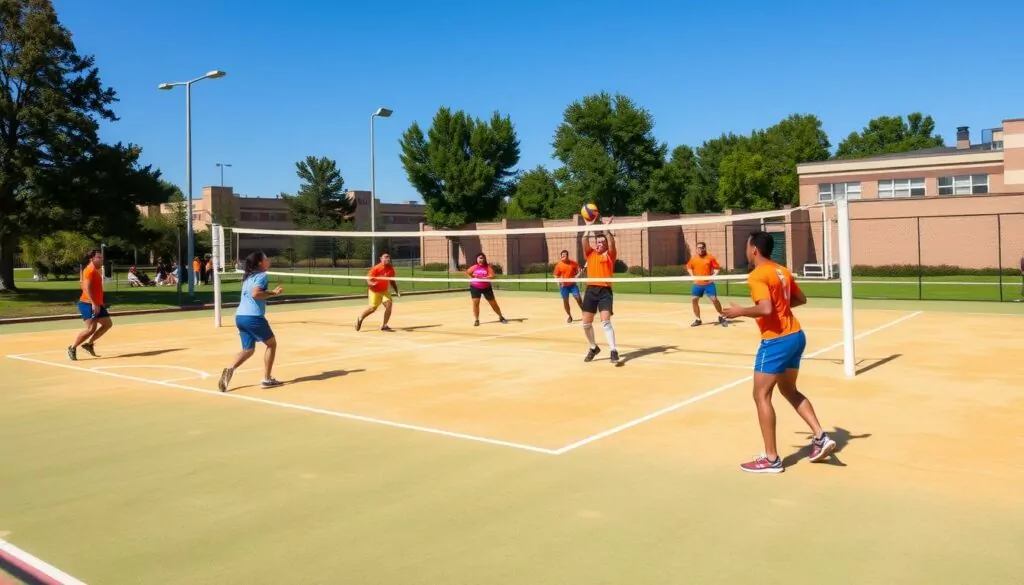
point(477, 271)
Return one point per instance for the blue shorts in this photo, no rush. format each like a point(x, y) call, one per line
point(698, 290)
point(86, 310)
point(572, 289)
point(252, 329)
point(775, 356)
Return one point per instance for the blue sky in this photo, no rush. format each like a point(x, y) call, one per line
point(304, 80)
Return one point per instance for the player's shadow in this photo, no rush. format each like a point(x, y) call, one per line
point(412, 328)
point(150, 353)
point(328, 375)
point(644, 352)
point(841, 436)
point(878, 363)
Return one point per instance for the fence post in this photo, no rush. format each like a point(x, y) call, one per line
point(725, 239)
point(999, 246)
point(920, 269)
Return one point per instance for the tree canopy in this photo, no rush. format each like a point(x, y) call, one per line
point(891, 134)
point(321, 203)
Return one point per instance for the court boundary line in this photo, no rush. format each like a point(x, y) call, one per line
point(299, 407)
point(34, 567)
point(709, 393)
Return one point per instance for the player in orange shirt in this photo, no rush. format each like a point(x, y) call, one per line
point(598, 298)
point(379, 292)
point(704, 264)
point(90, 305)
point(565, 270)
point(775, 293)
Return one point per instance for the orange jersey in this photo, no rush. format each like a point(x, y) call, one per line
point(775, 283)
point(387, 271)
point(566, 269)
point(92, 279)
point(703, 266)
point(600, 266)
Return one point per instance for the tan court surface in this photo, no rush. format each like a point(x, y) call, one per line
point(443, 453)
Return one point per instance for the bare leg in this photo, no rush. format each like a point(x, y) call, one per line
point(579, 301)
point(105, 325)
point(588, 329)
point(268, 358)
point(803, 406)
point(494, 307)
point(763, 386)
point(83, 335)
point(387, 313)
point(565, 305)
point(696, 308)
point(476, 309)
point(718, 305)
point(241, 358)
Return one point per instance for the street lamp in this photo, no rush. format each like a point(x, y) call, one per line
point(222, 165)
point(383, 113)
point(216, 73)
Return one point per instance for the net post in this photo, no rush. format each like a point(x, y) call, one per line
point(999, 253)
point(846, 286)
point(217, 238)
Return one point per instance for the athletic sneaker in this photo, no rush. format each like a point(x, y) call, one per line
point(569, 319)
point(723, 321)
point(385, 328)
point(592, 353)
point(359, 323)
point(503, 321)
point(614, 356)
point(89, 348)
point(225, 379)
point(72, 354)
point(271, 383)
point(761, 464)
point(821, 448)
point(476, 323)
point(696, 323)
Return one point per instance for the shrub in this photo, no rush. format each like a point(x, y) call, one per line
point(913, 270)
point(637, 270)
point(435, 267)
point(539, 268)
point(621, 267)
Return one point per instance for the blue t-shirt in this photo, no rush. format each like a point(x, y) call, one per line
point(248, 306)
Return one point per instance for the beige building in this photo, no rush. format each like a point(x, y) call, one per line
point(960, 205)
point(223, 205)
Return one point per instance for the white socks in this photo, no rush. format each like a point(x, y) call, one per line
point(588, 329)
point(608, 333)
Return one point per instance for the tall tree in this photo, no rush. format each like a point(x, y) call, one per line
point(891, 134)
point(674, 188)
point(50, 101)
point(608, 151)
point(709, 161)
point(537, 196)
point(796, 139)
point(321, 202)
point(462, 167)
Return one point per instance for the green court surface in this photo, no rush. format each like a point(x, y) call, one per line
point(447, 453)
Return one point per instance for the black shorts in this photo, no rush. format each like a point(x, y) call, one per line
point(597, 299)
point(476, 293)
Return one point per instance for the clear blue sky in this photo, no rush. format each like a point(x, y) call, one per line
point(303, 80)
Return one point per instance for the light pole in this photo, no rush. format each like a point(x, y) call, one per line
point(188, 166)
point(222, 165)
point(383, 113)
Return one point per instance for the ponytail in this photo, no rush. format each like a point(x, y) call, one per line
point(252, 264)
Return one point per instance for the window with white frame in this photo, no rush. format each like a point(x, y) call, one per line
point(901, 188)
point(963, 185)
point(837, 191)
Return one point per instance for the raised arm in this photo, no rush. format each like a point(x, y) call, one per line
point(611, 238)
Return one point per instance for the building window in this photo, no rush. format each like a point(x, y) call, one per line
point(963, 185)
point(837, 191)
point(901, 188)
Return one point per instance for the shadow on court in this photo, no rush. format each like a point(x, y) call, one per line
point(878, 363)
point(413, 328)
point(151, 353)
point(841, 436)
point(328, 375)
point(644, 352)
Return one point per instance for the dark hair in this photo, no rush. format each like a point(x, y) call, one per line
point(764, 242)
point(385, 253)
point(93, 253)
point(485, 257)
point(699, 244)
point(252, 262)
point(566, 252)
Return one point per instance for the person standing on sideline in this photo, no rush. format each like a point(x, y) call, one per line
point(777, 363)
point(565, 270)
point(251, 320)
point(598, 298)
point(90, 306)
point(704, 264)
point(378, 291)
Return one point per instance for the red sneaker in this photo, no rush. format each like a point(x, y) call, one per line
point(761, 464)
point(821, 448)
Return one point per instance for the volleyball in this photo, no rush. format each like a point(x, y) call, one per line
point(589, 211)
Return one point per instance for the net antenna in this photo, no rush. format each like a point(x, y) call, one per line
point(217, 237)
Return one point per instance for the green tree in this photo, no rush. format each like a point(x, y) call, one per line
point(58, 254)
point(891, 134)
point(537, 196)
point(676, 187)
point(745, 181)
point(710, 155)
point(608, 151)
point(55, 174)
point(462, 167)
point(321, 202)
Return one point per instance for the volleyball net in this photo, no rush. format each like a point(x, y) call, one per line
point(651, 255)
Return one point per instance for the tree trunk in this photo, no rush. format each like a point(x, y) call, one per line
point(8, 243)
point(453, 259)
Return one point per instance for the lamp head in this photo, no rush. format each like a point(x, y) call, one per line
point(165, 86)
point(382, 113)
point(216, 73)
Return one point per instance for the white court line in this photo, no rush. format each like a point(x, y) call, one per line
point(38, 566)
point(199, 373)
point(299, 407)
point(713, 391)
point(399, 348)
